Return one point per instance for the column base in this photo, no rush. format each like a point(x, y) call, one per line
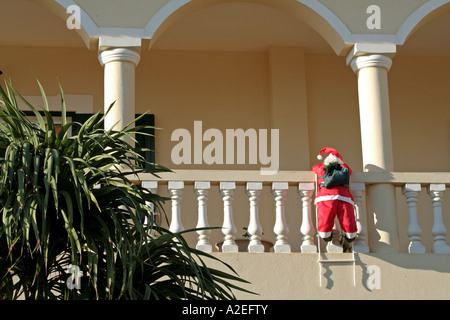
point(441, 248)
point(230, 248)
point(282, 248)
point(308, 248)
point(416, 247)
point(256, 248)
point(204, 247)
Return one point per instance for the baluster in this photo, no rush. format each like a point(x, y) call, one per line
point(307, 229)
point(360, 244)
point(228, 227)
point(201, 191)
point(175, 191)
point(411, 191)
point(151, 186)
point(254, 227)
point(439, 231)
point(279, 190)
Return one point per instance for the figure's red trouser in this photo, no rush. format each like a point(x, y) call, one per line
point(327, 211)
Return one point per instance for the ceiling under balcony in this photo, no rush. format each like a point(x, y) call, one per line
point(231, 26)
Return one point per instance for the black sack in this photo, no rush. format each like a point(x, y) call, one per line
point(335, 175)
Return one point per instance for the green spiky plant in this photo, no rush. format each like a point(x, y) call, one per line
point(68, 203)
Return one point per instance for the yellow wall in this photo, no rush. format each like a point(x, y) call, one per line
point(420, 113)
point(225, 90)
point(77, 69)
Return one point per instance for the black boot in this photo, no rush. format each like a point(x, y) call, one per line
point(349, 240)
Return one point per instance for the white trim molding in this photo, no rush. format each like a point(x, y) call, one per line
point(417, 17)
point(333, 197)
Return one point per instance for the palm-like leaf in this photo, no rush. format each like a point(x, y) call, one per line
point(70, 201)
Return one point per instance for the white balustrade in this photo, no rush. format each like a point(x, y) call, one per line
point(254, 226)
point(201, 191)
point(439, 231)
point(151, 186)
point(360, 244)
point(175, 191)
point(307, 229)
point(279, 190)
point(228, 227)
point(411, 192)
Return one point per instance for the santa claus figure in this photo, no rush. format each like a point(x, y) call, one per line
point(333, 197)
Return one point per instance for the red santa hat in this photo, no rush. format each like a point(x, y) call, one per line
point(328, 150)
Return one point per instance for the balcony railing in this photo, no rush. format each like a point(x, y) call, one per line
point(227, 181)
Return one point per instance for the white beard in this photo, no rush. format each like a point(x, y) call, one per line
point(330, 159)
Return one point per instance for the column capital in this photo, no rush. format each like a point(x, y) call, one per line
point(378, 55)
point(373, 60)
point(119, 54)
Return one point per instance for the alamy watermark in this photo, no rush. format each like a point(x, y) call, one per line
point(374, 278)
point(74, 280)
point(221, 149)
point(374, 20)
point(74, 20)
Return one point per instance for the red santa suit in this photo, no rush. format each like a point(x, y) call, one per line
point(335, 201)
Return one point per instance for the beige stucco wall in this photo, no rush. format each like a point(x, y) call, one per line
point(420, 113)
point(77, 69)
point(277, 276)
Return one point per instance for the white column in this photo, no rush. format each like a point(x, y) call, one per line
point(201, 189)
point(439, 231)
point(254, 226)
point(175, 191)
point(371, 63)
point(279, 190)
point(360, 244)
point(228, 227)
point(307, 230)
point(411, 191)
point(119, 85)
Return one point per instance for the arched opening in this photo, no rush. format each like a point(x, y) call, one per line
point(32, 24)
point(317, 17)
point(419, 82)
point(428, 12)
point(244, 64)
point(36, 42)
point(86, 29)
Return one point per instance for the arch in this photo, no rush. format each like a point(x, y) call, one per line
point(88, 32)
point(425, 13)
point(313, 13)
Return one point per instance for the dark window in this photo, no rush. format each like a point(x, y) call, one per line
point(145, 141)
